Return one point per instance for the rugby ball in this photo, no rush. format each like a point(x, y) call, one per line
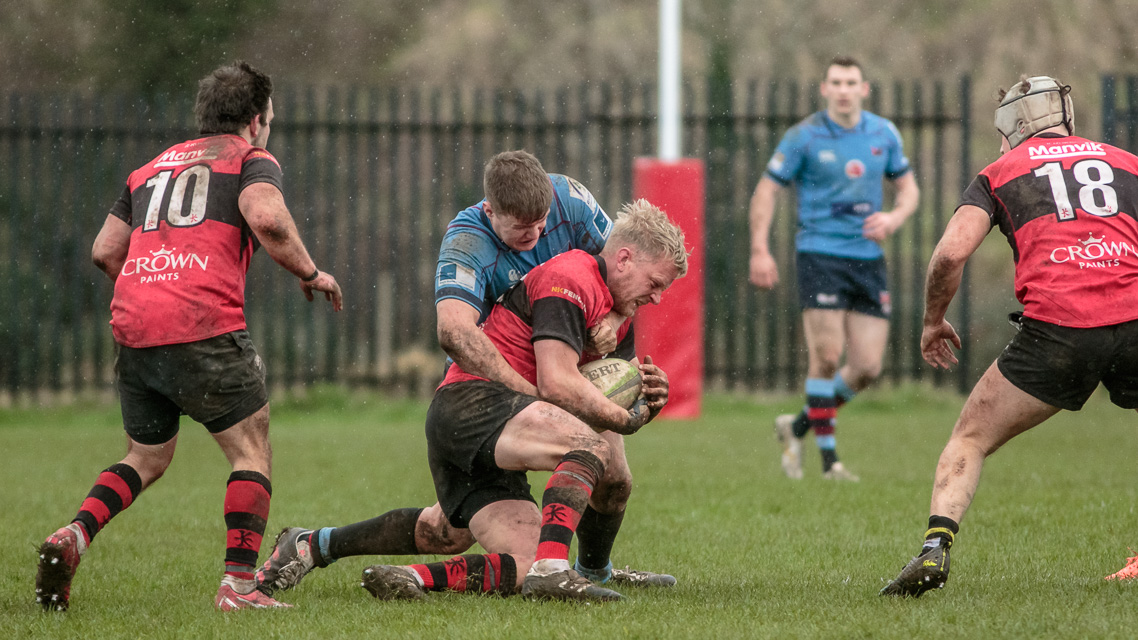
point(618, 379)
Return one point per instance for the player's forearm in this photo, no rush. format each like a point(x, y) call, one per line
point(264, 210)
point(576, 395)
point(761, 215)
point(477, 355)
point(963, 235)
point(941, 285)
point(282, 242)
point(907, 198)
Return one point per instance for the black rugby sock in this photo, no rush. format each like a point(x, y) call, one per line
point(390, 534)
point(596, 534)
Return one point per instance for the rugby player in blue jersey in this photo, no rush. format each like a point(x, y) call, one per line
point(837, 160)
point(528, 217)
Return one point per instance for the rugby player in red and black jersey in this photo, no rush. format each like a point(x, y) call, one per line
point(527, 217)
point(482, 436)
point(1068, 207)
point(177, 245)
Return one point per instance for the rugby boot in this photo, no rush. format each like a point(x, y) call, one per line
point(927, 571)
point(289, 562)
point(641, 578)
point(625, 576)
point(390, 582)
point(1128, 572)
point(232, 595)
point(791, 446)
point(838, 472)
point(565, 585)
point(59, 557)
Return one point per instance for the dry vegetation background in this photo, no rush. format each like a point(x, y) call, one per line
point(139, 44)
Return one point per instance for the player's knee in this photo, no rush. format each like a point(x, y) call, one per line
point(863, 376)
point(824, 364)
point(611, 496)
point(597, 446)
point(440, 538)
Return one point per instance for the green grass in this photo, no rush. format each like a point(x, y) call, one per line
point(756, 555)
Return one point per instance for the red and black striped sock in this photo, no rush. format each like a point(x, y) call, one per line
point(115, 490)
point(246, 513)
point(489, 573)
point(565, 498)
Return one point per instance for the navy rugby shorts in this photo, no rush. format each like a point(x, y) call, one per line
point(464, 422)
point(218, 381)
point(832, 282)
point(1062, 366)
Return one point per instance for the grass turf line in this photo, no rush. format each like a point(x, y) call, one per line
point(757, 555)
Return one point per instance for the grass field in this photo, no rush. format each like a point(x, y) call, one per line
point(757, 555)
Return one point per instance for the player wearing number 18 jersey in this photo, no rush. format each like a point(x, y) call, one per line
point(177, 245)
point(1069, 209)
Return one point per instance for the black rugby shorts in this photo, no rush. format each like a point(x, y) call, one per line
point(463, 425)
point(218, 381)
point(1062, 366)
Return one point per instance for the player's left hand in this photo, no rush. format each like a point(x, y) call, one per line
point(654, 385)
point(880, 225)
point(601, 340)
point(935, 340)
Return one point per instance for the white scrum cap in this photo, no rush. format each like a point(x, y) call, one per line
point(1032, 105)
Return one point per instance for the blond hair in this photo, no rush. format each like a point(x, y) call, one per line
point(644, 226)
point(517, 186)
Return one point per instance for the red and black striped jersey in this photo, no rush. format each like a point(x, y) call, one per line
point(184, 276)
point(557, 300)
point(1068, 208)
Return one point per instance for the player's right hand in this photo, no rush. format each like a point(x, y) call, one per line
point(935, 340)
point(638, 416)
point(326, 283)
point(764, 271)
point(601, 339)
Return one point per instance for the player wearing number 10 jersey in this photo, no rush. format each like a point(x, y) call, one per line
point(1069, 209)
point(177, 245)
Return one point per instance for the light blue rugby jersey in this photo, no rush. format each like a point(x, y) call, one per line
point(837, 177)
point(476, 266)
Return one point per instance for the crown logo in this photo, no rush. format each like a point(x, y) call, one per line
point(162, 252)
point(1091, 239)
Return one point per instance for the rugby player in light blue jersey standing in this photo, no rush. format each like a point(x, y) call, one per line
point(528, 217)
point(837, 160)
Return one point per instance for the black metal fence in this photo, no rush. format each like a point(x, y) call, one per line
point(373, 176)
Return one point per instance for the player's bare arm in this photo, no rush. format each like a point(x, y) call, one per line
point(764, 271)
point(601, 339)
point(263, 208)
point(110, 248)
point(965, 232)
point(882, 224)
point(560, 383)
point(462, 340)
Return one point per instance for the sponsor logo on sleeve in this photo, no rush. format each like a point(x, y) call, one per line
point(776, 162)
point(579, 192)
point(452, 274)
point(603, 223)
